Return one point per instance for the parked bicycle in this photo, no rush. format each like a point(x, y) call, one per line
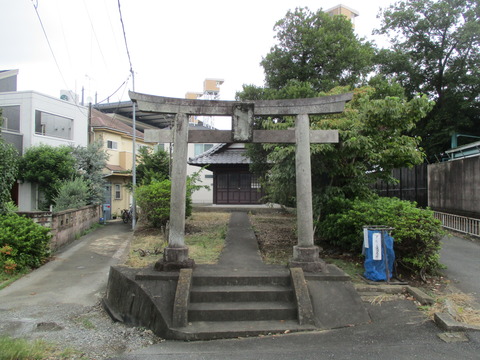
point(126, 216)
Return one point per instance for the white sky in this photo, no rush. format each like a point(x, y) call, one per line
point(174, 45)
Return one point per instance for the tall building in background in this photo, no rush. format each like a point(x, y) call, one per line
point(346, 11)
point(211, 91)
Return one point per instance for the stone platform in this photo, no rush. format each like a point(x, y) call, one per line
point(240, 296)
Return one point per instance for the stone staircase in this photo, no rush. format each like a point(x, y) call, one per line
point(240, 304)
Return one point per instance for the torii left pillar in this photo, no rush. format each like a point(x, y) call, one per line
point(175, 255)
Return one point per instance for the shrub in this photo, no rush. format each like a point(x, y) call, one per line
point(154, 202)
point(72, 194)
point(8, 172)
point(416, 232)
point(23, 243)
point(154, 199)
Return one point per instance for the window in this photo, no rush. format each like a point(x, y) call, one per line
point(118, 192)
point(160, 147)
point(201, 148)
point(112, 145)
point(255, 184)
point(53, 125)
point(10, 118)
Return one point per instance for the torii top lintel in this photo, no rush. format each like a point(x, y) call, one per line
point(312, 106)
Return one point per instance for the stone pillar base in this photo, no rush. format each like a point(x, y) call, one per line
point(174, 259)
point(307, 258)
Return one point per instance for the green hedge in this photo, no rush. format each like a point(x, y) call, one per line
point(23, 243)
point(416, 232)
point(154, 202)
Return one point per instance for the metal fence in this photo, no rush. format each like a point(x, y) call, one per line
point(458, 223)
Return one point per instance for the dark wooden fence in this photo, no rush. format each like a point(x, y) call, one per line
point(412, 185)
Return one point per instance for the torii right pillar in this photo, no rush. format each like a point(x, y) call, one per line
point(305, 253)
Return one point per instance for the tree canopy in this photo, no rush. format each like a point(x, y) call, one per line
point(317, 48)
point(152, 165)
point(47, 165)
point(373, 140)
point(50, 167)
point(90, 162)
point(435, 50)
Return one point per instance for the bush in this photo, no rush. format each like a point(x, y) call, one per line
point(416, 232)
point(23, 243)
point(154, 202)
point(72, 194)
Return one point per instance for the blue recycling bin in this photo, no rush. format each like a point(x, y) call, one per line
point(379, 253)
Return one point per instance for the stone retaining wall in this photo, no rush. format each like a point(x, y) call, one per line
point(66, 225)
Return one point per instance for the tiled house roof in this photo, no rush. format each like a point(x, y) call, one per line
point(100, 120)
point(221, 154)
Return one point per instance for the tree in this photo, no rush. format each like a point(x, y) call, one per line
point(317, 48)
point(435, 51)
point(373, 140)
point(8, 171)
point(45, 166)
point(152, 165)
point(90, 162)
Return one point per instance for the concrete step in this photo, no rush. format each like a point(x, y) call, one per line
point(241, 293)
point(242, 311)
point(251, 279)
point(208, 330)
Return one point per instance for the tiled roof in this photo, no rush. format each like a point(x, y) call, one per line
point(221, 154)
point(115, 168)
point(101, 120)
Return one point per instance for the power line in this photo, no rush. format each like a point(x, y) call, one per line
point(108, 97)
point(125, 37)
point(95, 34)
point(35, 6)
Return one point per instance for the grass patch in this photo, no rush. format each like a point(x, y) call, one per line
point(22, 349)
point(205, 234)
point(7, 279)
point(85, 322)
point(145, 247)
point(276, 236)
point(352, 267)
point(458, 305)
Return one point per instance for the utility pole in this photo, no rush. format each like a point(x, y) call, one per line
point(134, 156)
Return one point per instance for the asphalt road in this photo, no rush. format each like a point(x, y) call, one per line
point(75, 275)
point(462, 258)
point(398, 331)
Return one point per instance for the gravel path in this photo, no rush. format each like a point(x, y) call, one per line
point(86, 329)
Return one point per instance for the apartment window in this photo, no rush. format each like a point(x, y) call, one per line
point(201, 148)
point(112, 145)
point(10, 118)
point(53, 125)
point(160, 147)
point(118, 192)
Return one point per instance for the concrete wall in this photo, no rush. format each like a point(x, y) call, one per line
point(66, 225)
point(30, 101)
point(454, 187)
point(202, 196)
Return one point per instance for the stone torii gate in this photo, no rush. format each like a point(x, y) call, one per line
point(305, 253)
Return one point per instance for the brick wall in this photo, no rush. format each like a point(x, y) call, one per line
point(66, 225)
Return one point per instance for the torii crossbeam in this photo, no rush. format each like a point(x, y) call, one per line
point(305, 253)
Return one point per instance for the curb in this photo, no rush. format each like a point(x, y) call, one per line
point(446, 322)
point(416, 293)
